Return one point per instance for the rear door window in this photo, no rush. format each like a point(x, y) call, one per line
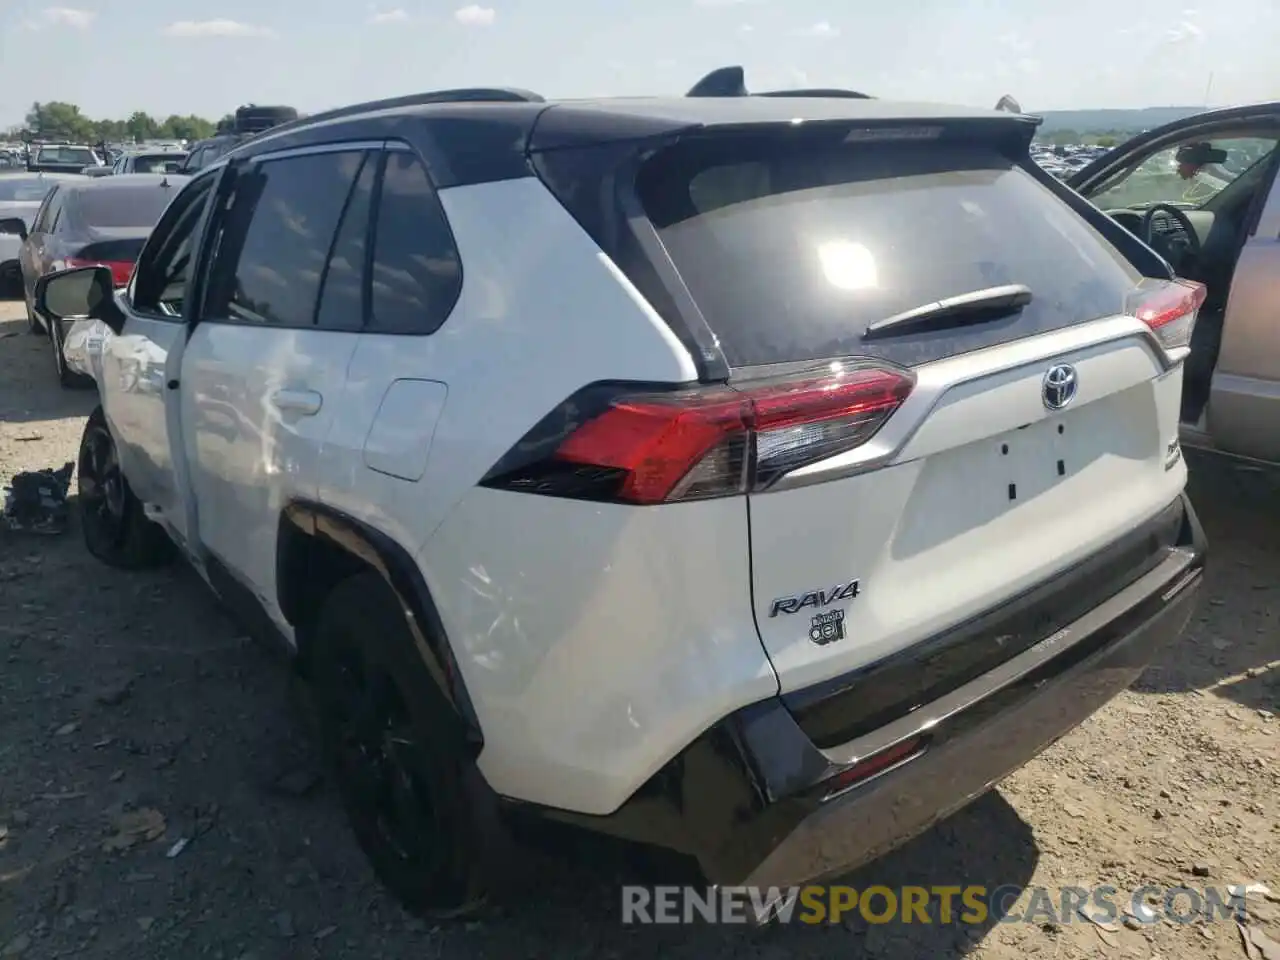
point(790, 253)
point(278, 236)
point(342, 294)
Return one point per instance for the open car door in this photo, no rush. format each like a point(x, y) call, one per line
point(1202, 192)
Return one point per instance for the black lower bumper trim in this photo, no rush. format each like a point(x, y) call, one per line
point(748, 799)
point(856, 703)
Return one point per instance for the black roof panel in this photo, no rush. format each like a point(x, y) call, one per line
point(476, 141)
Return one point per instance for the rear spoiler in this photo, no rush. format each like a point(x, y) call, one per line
point(732, 82)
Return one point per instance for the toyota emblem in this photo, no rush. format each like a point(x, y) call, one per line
point(1060, 385)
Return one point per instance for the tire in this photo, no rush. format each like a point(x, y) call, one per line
point(11, 280)
point(115, 528)
point(409, 789)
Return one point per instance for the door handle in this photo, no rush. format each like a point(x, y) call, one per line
point(305, 402)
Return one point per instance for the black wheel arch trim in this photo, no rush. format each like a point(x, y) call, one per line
point(382, 554)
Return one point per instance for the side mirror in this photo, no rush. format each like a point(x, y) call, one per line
point(14, 227)
point(79, 294)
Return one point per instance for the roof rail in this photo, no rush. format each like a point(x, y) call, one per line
point(834, 93)
point(732, 82)
point(460, 95)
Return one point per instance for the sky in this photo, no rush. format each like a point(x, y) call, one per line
point(112, 57)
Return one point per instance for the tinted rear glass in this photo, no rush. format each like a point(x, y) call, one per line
point(790, 254)
point(158, 163)
point(119, 207)
point(68, 155)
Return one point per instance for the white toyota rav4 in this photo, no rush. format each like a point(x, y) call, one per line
point(760, 478)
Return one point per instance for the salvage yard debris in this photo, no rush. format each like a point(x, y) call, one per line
point(36, 501)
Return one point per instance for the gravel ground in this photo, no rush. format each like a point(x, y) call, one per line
point(134, 716)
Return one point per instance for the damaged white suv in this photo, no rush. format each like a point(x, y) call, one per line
point(757, 477)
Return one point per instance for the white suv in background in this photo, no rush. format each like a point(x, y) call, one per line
point(756, 477)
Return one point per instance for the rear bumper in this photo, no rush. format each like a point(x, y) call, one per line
point(984, 747)
point(754, 802)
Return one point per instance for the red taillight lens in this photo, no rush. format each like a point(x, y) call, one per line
point(648, 447)
point(873, 765)
point(1169, 308)
point(121, 270)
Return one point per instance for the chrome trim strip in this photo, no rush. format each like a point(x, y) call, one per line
point(317, 148)
point(926, 718)
point(936, 380)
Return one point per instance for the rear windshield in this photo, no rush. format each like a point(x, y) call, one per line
point(119, 207)
point(31, 190)
point(158, 163)
point(80, 156)
point(790, 254)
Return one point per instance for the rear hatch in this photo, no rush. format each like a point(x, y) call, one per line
point(906, 477)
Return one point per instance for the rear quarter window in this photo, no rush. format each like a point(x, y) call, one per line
point(790, 254)
point(417, 273)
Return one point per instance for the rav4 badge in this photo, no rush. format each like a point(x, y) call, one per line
point(814, 598)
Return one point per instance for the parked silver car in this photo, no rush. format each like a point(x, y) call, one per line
point(1204, 193)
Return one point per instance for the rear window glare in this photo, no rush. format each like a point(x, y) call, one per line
point(790, 253)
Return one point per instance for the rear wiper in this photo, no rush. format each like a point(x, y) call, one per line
point(979, 306)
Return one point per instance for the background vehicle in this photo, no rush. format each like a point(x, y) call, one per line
point(471, 417)
point(20, 197)
point(250, 120)
point(1219, 225)
point(61, 158)
point(205, 152)
point(154, 161)
point(93, 221)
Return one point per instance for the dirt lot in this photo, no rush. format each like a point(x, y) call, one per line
point(128, 701)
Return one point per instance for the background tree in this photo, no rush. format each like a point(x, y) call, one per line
point(141, 127)
point(64, 121)
point(58, 121)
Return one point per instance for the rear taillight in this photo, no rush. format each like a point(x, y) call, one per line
point(1169, 308)
point(872, 766)
point(643, 446)
point(121, 270)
